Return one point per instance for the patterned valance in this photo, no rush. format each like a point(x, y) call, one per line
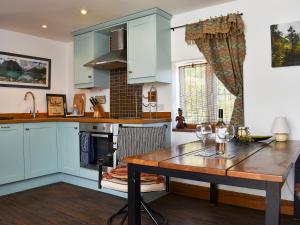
point(214, 28)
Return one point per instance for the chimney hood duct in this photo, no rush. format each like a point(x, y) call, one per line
point(117, 57)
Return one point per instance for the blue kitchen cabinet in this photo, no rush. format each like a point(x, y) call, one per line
point(87, 47)
point(40, 149)
point(11, 153)
point(149, 50)
point(68, 142)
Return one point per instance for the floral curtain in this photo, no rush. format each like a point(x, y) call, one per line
point(222, 42)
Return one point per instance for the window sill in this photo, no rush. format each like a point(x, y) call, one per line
point(192, 128)
point(188, 130)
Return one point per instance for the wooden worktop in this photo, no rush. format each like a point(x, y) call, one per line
point(267, 161)
point(25, 118)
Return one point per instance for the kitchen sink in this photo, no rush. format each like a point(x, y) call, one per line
point(6, 118)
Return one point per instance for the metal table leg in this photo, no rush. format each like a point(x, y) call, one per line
point(296, 190)
point(273, 197)
point(134, 196)
point(213, 193)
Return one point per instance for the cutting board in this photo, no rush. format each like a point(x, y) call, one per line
point(79, 100)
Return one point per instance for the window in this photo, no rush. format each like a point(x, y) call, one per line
point(201, 94)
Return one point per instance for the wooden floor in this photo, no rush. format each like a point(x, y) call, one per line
point(64, 204)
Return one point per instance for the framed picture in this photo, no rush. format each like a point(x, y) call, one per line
point(285, 44)
point(101, 99)
point(56, 105)
point(24, 71)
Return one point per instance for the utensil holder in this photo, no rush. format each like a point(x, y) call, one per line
point(98, 111)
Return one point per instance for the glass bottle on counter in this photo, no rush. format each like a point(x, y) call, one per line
point(220, 132)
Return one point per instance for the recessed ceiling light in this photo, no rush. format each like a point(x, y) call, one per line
point(44, 26)
point(83, 11)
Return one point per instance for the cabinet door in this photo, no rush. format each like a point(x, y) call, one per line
point(141, 55)
point(68, 142)
point(11, 153)
point(83, 47)
point(40, 149)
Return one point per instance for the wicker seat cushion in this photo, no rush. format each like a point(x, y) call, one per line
point(117, 185)
point(117, 179)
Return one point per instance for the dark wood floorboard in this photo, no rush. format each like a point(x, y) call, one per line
point(64, 204)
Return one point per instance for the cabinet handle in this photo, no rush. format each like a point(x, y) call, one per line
point(5, 127)
point(75, 128)
point(89, 76)
point(129, 71)
point(27, 129)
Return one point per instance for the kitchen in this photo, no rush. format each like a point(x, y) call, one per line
point(65, 80)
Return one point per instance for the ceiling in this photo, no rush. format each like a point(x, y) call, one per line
point(63, 16)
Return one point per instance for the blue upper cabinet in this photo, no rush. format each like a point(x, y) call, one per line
point(40, 148)
point(11, 153)
point(149, 50)
point(87, 47)
point(68, 142)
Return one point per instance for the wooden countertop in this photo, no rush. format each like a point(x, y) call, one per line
point(25, 118)
point(266, 161)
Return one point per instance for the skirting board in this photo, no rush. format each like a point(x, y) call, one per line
point(24, 185)
point(6, 189)
point(229, 197)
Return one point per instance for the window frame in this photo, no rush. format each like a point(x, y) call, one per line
point(191, 126)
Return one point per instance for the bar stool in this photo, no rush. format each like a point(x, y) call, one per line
point(134, 141)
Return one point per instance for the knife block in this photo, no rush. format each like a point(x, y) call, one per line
point(98, 111)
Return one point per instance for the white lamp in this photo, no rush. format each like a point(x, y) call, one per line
point(280, 128)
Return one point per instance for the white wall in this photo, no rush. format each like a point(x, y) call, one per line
point(62, 79)
point(268, 91)
point(12, 99)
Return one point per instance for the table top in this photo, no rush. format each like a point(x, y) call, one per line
point(267, 161)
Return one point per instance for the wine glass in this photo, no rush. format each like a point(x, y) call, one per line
point(226, 134)
point(203, 132)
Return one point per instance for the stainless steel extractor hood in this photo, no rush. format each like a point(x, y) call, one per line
point(117, 57)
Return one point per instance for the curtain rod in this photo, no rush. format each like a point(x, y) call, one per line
point(182, 26)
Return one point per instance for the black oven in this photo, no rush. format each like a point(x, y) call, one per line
point(96, 143)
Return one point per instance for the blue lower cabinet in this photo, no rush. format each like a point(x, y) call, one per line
point(11, 153)
point(40, 149)
point(68, 142)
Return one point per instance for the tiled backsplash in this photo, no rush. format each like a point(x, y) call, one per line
point(125, 99)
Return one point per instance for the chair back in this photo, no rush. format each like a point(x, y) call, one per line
point(140, 140)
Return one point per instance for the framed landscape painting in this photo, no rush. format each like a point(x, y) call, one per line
point(285, 44)
point(24, 71)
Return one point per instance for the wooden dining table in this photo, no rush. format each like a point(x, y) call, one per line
point(257, 165)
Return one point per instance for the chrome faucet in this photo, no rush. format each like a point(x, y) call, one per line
point(33, 114)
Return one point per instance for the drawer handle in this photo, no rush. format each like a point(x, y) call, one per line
point(89, 76)
point(5, 127)
point(27, 129)
point(75, 128)
point(129, 71)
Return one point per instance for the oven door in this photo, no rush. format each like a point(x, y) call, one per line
point(101, 150)
point(102, 144)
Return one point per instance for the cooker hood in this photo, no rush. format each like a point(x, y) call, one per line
point(117, 57)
